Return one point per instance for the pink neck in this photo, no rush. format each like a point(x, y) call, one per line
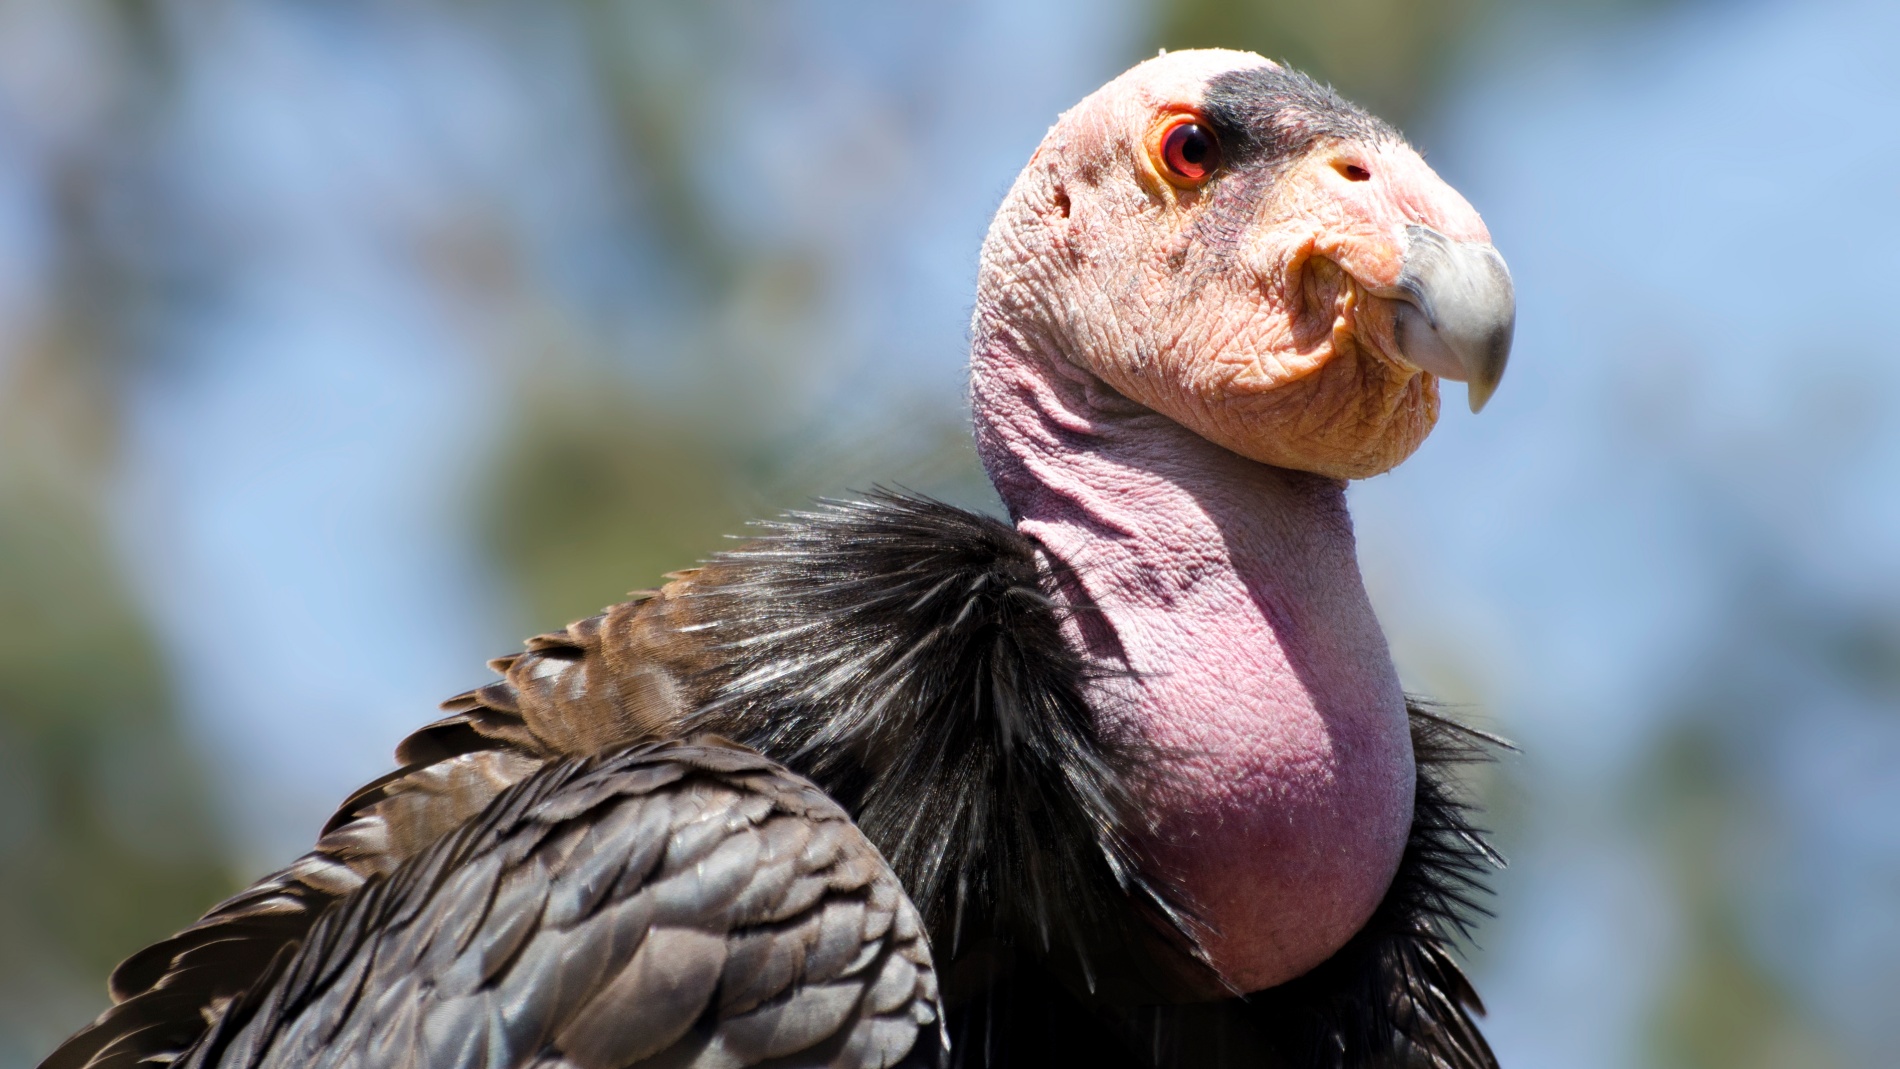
point(1231, 590)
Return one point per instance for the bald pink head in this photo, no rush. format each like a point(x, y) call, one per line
point(1215, 291)
point(1264, 305)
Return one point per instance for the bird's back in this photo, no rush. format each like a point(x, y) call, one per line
point(552, 877)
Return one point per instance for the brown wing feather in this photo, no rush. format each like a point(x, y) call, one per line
point(166, 995)
point(608, 681)
point(684, 904)
point(601, 683)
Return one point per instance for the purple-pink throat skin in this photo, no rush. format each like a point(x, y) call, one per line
point(1172, 378)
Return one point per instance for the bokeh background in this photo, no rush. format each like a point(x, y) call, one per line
point(344, 343)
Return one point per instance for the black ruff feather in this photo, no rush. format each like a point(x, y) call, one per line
point(906, 656)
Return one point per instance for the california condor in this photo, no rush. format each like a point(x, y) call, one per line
point(1127, 780)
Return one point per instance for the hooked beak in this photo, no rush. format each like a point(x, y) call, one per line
point(1457, 310)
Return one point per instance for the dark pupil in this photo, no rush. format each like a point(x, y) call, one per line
point(1193, 145)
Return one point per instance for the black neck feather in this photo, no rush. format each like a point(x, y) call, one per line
point(908, 656)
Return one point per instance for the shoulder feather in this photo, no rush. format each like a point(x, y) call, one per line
point(908, 656)
point(677, 903)
point(167, 995)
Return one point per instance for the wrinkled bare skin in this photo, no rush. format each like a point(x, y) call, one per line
point(1274, 345)
point(1257, 314)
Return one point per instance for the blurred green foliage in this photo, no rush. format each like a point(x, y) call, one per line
point(1394, 57)
point(1388, 55)
point(601, 487)
point(626, 461)
point(597, 492)
point(106, 838)
point(1721, 1009)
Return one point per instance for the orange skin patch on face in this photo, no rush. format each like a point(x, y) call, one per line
point(1281, 345)
point(1316, 388)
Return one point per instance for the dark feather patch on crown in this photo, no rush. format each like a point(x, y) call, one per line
point(1273, 115)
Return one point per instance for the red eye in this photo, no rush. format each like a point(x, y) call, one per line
point(1189, 152)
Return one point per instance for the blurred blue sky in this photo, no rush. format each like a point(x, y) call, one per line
point(1689, 484)
point(1694, 469)
point(320, 398)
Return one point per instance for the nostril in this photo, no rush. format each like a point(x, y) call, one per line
point(1352, 171)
